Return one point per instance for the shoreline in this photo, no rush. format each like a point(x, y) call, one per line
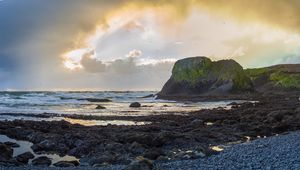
point(275, 152)
point(169, 137)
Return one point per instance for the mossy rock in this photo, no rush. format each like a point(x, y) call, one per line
point(279, 77)
point(200, 75)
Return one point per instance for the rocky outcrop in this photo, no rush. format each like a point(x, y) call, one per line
point(274, 79)
point(25, 157)
point(41, 161)
point(6, 152)
point(201, 76)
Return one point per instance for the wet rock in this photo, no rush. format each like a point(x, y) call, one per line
point(25, 157)
point(45, 145)
point(298, 110)
point(66, 164)
point(100, 107)
point(41, 161)
point(50, 145)
point(96, 100)
point(135, 104)
point(12, 144)
point(10, 163)
point(105, 158)
point(196, 122)
point(190, 155)
point(161, 139)
point(232, 103)
point(277, 115)
point(149, 96)
point(153, 153)
point(141, 138)
point(140, 163)
point(136, 148)
point(6, 152)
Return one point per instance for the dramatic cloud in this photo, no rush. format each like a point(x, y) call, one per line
point(75, 44)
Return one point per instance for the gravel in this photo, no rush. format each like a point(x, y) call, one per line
point(278, 152)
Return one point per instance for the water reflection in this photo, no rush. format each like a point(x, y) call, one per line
point(104, 122)
point(25, 146)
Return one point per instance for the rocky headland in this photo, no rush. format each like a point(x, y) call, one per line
point(199, 78)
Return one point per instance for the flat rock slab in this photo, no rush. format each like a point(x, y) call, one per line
point(42, 161)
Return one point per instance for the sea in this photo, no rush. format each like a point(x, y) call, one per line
point(25, 105)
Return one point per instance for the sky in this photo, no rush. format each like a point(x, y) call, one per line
point(133, 44)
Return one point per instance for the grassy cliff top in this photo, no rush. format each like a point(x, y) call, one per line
point(286, 76)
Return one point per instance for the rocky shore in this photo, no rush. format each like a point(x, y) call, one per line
point(278, 152)
point(169, 137)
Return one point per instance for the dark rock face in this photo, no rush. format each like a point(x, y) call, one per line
point(14, 145)
point(42, 161)
point(135, 104)
point(24, 158)
point(6, 152)
point(100, 107)
point(201, 76)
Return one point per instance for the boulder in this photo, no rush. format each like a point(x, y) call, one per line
point(41, 161)
point(201, 76)
point(6, 152)
point(135, 104)
point(100, 107)
point(153, 153)
point(12, 144)
point(66, 164)
point(136, 148)
point(196, 122)
point(140, 163)
point(25, 157)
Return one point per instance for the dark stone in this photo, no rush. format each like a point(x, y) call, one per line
point(135, 104)
point(153, 153)
point(66, 164)
point(196, 122)
point(14, 145)
point(136, 148)
point(161, 138)
point(232, 103)
point(149, 96)
point(140, 163)
point(96, 100)
point(6, 152)
point(41, 161)
point(25, 157)
point(104, 158)
point(277, 115)
point(100, 107)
